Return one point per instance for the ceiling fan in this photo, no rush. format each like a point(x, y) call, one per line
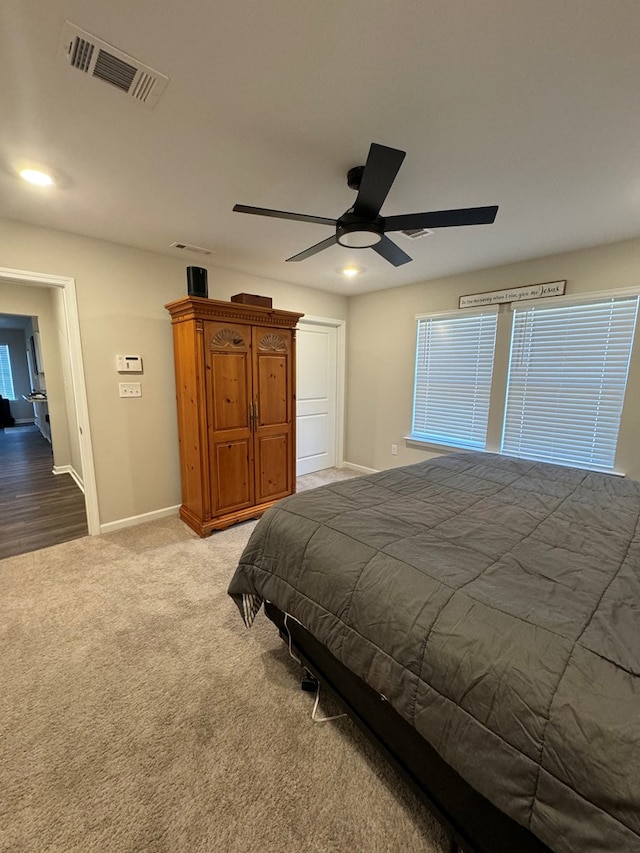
point(362, 227)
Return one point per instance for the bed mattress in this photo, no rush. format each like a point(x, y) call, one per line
point(495, 603)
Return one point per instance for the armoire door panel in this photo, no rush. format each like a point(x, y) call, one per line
point(230, 395)
point(273, 385)
point(228, 379)
point(231, 473)
point(229, 392)
point(271, 392)
point(272, 475)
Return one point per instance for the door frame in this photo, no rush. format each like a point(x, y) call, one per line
point(341, 328)
point(78, 390)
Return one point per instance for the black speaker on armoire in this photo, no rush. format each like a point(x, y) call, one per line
point(197, 282)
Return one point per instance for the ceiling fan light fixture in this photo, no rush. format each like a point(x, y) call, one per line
point(359, 235)
point(37, 177)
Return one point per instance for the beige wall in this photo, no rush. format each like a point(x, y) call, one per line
point(38, 302)
point(121, 295)
point(381, 349)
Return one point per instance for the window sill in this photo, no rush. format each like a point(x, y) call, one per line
point(412, 441)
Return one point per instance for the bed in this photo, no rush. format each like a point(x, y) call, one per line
point(479, 615)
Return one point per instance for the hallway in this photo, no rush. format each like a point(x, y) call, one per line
point(37, 508)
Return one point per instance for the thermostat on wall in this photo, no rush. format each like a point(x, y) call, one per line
point(129, 363)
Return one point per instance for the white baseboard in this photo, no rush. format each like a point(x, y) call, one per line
point(69, 469)
point(352, 467)
point(139, 519)
point(20, 421)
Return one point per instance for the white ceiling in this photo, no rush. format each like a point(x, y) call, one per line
point(533, 105)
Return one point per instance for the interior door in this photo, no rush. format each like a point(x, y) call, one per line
point(273, 412)
point(230, 437)
point(317, 347)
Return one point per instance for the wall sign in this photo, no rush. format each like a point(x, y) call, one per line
point(513, 294)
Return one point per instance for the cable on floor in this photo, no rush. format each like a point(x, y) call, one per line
point(316, 703)
point(315, 708)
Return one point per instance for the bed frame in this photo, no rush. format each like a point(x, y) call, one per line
point(474, 824)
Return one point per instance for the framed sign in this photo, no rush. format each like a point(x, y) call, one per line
point(513, 294)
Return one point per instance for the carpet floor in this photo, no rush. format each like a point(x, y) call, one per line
point(138, 714)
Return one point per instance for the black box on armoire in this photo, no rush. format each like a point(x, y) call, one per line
point(197, 282)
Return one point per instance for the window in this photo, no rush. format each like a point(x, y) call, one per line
point(567, 379)
point(6, 378)
point(558, 392)
point(454, 366)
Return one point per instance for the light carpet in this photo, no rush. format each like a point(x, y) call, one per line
point(138, 714)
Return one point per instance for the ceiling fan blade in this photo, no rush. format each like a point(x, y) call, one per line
point(282, 214)
point(390, 252)
point(313, 250)
point(379, 173)
point(442, 218)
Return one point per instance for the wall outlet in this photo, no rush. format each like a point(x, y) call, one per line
point(394, 449)
point(130, 389)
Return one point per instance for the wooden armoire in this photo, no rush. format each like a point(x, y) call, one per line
point(235, 387)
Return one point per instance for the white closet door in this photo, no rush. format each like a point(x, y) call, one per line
point(317, 354)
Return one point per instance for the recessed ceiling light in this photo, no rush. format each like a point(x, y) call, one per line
point(350, 271)
point(34, 176)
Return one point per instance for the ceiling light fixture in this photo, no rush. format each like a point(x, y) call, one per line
point(359, 235)
point(34, 176)
point(350, 271)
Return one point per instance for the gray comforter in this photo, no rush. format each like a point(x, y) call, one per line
point(495, 602)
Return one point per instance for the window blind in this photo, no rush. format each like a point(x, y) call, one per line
point(454, 365)
point(6, 378)
point(567, 378)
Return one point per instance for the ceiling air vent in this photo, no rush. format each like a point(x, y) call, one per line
point(99, 59)
point(198, 250)
point(414, 233)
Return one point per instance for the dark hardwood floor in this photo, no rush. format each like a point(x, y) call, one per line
point(37, 508)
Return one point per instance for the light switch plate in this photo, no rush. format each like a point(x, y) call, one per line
point(130, 389)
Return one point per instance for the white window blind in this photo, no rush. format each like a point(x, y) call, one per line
point(454, 365)
point(567, 379)
point(6, 378)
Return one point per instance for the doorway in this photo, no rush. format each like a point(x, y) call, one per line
point(37, 508)
point(320, 393)
point(71, 355)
